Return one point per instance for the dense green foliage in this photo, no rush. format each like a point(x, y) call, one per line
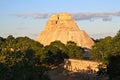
point(101, 49)
point(106, 47)
point(107, 50)
point(114, 67)
point(74, 51)
point(22, 58)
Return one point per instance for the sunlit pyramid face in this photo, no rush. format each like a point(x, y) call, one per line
point(63, 28)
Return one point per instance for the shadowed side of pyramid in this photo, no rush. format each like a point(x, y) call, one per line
point(62, 27)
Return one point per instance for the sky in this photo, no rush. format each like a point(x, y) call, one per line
point(99, 18)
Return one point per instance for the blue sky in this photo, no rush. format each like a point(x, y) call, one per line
point(28, 17)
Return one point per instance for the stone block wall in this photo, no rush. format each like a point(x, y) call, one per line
point(82, 65)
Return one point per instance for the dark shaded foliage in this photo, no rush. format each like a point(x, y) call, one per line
point(74, 51)
point(114, 67)
point(107, 50)
point(20, 60)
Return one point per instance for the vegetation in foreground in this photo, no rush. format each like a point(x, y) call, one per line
point(107, 50)
point(22, 58)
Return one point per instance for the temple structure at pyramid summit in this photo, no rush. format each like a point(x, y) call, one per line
point(63, 28)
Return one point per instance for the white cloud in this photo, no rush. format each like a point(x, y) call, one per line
point(33, 15)
point(102, 35)
point(105, 16)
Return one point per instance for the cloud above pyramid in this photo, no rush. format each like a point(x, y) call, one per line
point(105, 16)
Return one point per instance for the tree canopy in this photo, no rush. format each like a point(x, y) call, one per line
point(107, 50)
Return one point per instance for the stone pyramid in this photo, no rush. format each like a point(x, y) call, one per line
point(63, 28)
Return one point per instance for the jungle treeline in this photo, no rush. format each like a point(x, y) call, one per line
point(22, 58)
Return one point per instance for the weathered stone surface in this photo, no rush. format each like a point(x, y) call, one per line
point(80, 65)
point(62, 27)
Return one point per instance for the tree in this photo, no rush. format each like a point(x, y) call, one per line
point(53, 56)
point(20, 58)
point(116, 45)
point(60, 45)
point(114, 67)
point(74, 51)
point(114, 59)
point(102, 49)
point(4, 72)
point(107, 51)
point(28, 68)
